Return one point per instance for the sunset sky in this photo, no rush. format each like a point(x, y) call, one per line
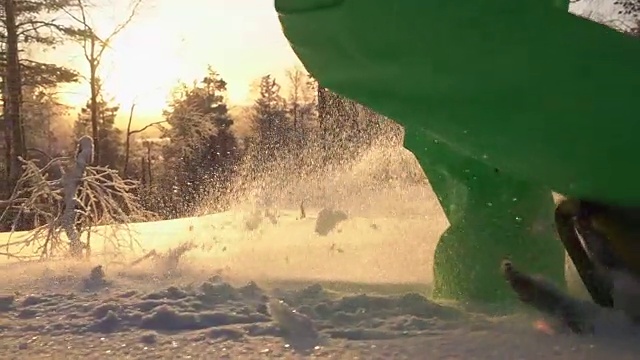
point(170, 41)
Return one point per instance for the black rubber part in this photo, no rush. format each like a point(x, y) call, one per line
point(547, 298)
point(599, 291)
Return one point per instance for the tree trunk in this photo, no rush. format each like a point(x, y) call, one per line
point(127, 145)
point(93, 68)
point(71, 181)
point(149, 178)
point(322, 107)
point(7, 128)
point(295, 116)
point(143, 171)
point(14, 93)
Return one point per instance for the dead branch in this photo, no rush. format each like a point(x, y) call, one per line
point(67, 213)
point(147, 127)
point(127, 144)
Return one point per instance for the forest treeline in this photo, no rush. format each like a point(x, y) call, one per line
point(199, 152)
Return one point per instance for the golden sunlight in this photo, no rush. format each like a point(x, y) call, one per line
point(143, 67)
point(173, 42)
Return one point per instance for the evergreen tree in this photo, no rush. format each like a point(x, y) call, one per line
point(270, 122)
point(26, 25)
point(203, 150)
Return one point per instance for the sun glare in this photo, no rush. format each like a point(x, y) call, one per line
point(174, 43)
point(142, 67)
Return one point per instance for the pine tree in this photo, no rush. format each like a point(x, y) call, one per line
point(270, 121)
point(111, 138)
point(203, 150)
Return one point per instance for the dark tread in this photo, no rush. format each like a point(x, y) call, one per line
point(542, 295)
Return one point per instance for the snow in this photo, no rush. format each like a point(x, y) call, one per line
point(291, 248)
point(361, 288)
point(359, 292)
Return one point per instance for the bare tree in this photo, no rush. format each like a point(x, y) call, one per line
point(127, 145)
point(14, 137)
point(65, 211)
point(94, 47)
point(296, 83)
point(301, 102)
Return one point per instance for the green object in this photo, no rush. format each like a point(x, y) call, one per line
point(492, 216)
point(523, 86)
point(500, 100)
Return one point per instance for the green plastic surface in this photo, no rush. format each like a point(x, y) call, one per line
point(502, 101)
point(523, 86)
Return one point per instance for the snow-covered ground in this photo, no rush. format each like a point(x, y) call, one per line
point(362, 290)
point(365, 291)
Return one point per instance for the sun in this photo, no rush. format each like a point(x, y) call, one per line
point(145, 64)
point(174, 43)
point(142, 67)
